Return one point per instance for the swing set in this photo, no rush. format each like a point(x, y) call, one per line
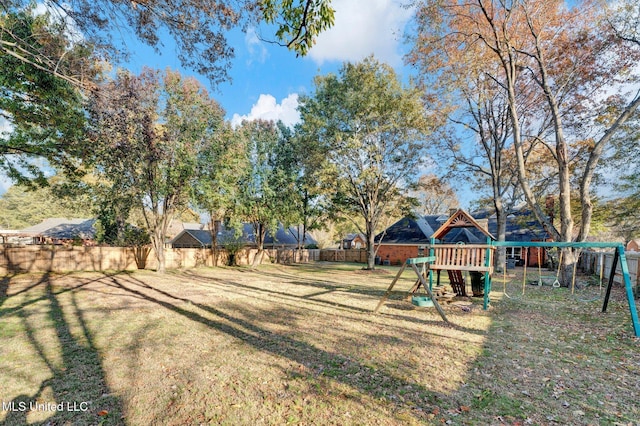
point(441, 262)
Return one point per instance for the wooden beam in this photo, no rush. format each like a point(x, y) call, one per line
point(433, 299)
point(416, 260)
point(388, 292)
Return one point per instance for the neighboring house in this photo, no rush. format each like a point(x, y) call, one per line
point(192, 238)
point(634, 245)
point(201, 238)
point(410, 237)
point(62, 231)
point(354, 241)
point(12, 236)
point(177, 226)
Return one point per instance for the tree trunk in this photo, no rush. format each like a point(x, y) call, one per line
point(260, 232)
point(371, 248)
point(157, 239)
point(501, 219)
point(567, 267)
point(213, 228)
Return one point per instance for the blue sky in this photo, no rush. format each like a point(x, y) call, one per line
point(267, 78)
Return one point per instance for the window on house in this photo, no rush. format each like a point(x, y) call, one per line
point(514, 252)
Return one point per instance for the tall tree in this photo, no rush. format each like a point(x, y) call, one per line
point(372, 130)
point(148, 133)
point(198, 28)
point(221, 162)
point(42, 116)
point(266, 187)
point(568, 63)
point(434, 195)
point(309, 199)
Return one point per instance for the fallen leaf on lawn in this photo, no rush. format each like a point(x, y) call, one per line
point(103, 413)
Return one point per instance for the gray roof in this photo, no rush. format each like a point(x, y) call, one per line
point(63, 228)
point(521, 226)
point(286, 237)
point(202, 238)
point(192, 238)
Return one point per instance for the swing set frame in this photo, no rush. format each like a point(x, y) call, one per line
point(432, 262)
point(619, 257)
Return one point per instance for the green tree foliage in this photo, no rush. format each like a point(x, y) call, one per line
point(221, 162)
point(267, 186)
point(148, 132)
point(23, 206)
point(198, 28)
point(310, 202)
point(41, 114)
point(372, 132)
point(298, 25)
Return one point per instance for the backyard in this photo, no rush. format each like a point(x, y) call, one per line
point(300, 345)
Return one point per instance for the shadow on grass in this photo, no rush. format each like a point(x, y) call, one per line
point(396, 301)
point(76, 391)
point(318, 364)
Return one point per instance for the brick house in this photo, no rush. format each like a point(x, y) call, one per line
point(633, 245)
point(354, 241)
point(411, 236)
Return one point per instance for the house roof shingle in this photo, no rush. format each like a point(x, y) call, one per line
point(520, 226)
point(202, 237)
point(62, 228)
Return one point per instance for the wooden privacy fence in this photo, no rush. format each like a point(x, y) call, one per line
point(287, 256)
point(349, 255)
point(599, 263)
point(56, 258)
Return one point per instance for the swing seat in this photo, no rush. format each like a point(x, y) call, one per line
point(422, 301)
point(457, 282)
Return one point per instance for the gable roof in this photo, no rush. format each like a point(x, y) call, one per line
point(202, 237)
point(63, 228)
point(407, 230)
point(353, 236)
point(520, 226)
point(283, 236)
point(192, 238)
point(459, 219)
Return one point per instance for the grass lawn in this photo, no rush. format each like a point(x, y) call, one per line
point(299, 345)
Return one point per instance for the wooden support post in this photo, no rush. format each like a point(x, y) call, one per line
point(433, 299)
point(421, 281)
point(388, 292)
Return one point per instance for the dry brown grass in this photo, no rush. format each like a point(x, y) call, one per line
point(299, 345)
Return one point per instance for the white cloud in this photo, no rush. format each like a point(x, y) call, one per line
point(267, 108)
point(362, 28)
point(255, 46)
